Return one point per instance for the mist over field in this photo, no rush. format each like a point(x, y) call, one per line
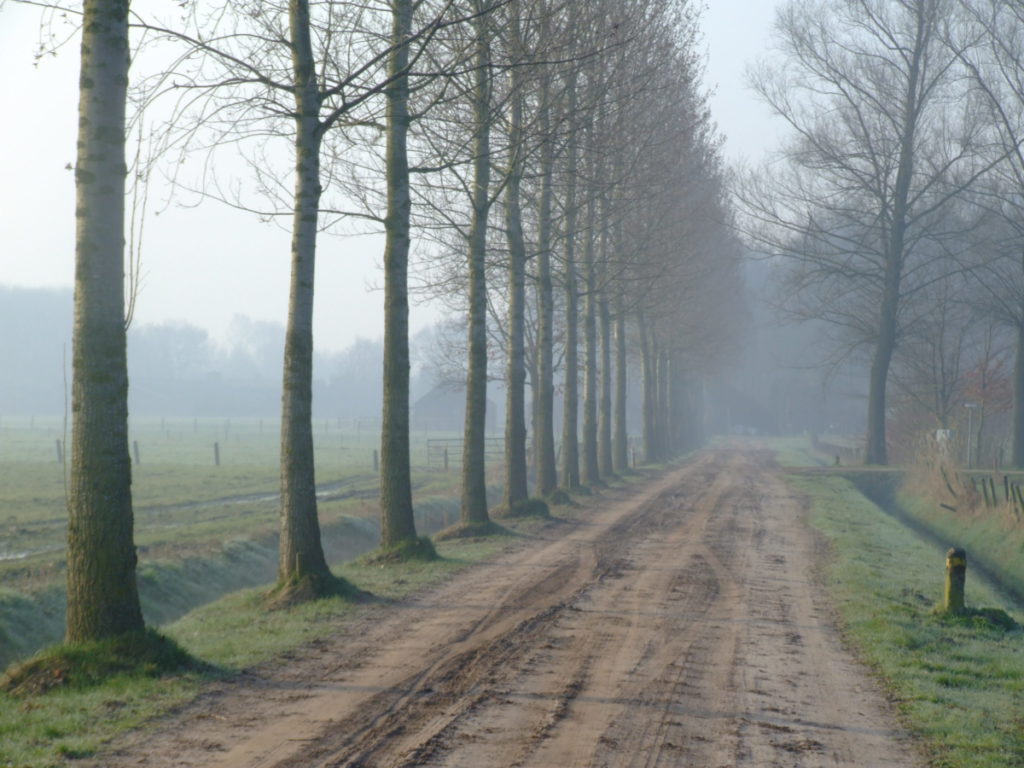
point(776, 383)
point(177, 370)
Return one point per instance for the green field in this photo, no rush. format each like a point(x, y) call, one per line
point(202, 530)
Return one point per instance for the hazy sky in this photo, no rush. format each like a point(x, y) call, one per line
point(205, 265)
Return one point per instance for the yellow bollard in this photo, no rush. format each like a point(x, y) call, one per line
point(956, 578)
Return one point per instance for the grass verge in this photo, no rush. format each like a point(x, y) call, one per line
point(957, 681)
point(470, 531)
point(230, 634)
point(532, 507)
point(86, 665)
point(421, 548)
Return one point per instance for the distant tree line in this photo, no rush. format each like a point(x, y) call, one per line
point(177, 370)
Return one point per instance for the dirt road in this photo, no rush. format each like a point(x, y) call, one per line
point(679, 625)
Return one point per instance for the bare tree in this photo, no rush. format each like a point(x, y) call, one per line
point(398, 524)
point(524, 44)
point(252, 75)
point(457, 199)
point(601, 138)
point(991, 45)
point(474, 483)
point(516, 486)
point(931, 364)
point(421, 56)
point(882, 139)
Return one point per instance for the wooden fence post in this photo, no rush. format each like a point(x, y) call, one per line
point(216, 454)
point(135, 447)
point(376, 461)
point(60, 452)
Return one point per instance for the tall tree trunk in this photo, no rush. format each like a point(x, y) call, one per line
point(516, 490)
point(885, 344)
point(620, 453)
point(103, 598)
point(474, 483)
point(605, 416)
point(1018, 402)
point(699, 420)
point(979, 432)
point(570, 388)
point(544, 438)
point(301, 556)
point(678, 409)
point(662, 416)
point(591, 471)
point(398, 524)
point(535, 399)
point(650, 373)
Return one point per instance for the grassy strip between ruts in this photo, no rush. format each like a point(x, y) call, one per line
point(959, 683)
point(232, 633)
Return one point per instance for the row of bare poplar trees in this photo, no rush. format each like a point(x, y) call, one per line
point(553, 161)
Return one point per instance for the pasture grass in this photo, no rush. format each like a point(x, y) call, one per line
point(184, 506)
point(200, 530)
point(958, 682)
point(176, 470)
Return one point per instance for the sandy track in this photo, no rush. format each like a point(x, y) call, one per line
point(675, 626)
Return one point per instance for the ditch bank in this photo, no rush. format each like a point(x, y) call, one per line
point(170, 588)
point(994, 544)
